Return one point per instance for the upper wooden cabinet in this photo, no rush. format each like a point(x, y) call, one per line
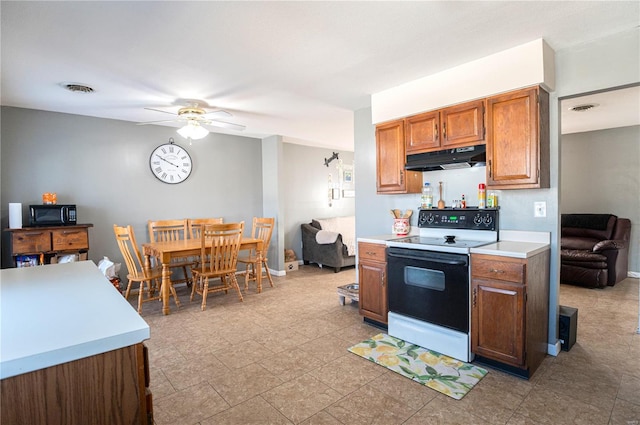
point(391, 177)
point(518, 140)
point(422, 132)
point(456, 126)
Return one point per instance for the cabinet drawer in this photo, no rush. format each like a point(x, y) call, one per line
point(64, 239)
point(372, 251)
point(498, 268)
point(31, 242)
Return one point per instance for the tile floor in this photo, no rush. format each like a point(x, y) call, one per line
point(281, 357)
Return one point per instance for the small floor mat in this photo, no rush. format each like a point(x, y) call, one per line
point(434, 370)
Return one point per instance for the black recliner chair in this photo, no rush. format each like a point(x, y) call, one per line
point(594, 249)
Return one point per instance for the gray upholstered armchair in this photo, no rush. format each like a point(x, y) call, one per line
point(327, 248)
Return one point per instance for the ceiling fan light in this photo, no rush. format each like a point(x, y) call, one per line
point(193, 130)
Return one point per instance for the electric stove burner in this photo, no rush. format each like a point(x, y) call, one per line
point(450, 239)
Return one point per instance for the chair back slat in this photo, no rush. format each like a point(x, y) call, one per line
point(194, 225)
point(167, 230)
point(263, 229)
point(128, 246)
point(220, 244)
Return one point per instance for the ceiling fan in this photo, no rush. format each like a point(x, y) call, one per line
point(195, 119)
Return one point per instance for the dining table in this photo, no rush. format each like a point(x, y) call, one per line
point(167, 250)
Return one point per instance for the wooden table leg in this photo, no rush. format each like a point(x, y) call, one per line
point(165, 290)
point(258, 270)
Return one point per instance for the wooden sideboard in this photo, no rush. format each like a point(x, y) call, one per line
point(45, 244)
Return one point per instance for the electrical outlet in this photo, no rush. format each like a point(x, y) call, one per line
point(540, 209)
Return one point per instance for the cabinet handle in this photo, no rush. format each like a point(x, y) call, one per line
point(70, 232)
point(496, 271)
point(444, 131)
point(490, 170)
point(382, 279)
point(33, 234)
point(475, 296)
point(401, 176)
point(435, 130)
point(370, 253)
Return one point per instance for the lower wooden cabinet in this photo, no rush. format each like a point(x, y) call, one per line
point(510, 310)
point(372, 277)
point(109, 388)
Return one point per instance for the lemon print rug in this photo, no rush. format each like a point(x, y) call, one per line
point(437, 371)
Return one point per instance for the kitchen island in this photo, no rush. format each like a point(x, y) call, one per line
point(71, 349)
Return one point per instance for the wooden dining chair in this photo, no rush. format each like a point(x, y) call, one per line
point(195, 224)
point(220, 243)
point(172, 230)
point(149, 280)
point(262, 228)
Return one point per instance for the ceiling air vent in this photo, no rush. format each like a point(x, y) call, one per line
point(583, 107)
point(77, 88)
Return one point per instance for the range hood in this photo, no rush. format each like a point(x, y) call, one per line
point(448, 159)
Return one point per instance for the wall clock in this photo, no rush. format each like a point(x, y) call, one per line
point(170, 163)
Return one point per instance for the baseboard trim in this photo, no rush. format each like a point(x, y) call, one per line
point(278, 272)
point(554, 349)
point(634, 274)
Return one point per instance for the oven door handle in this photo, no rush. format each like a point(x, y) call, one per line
point(433, 260)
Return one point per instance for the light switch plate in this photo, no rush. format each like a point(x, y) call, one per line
point(540, 209)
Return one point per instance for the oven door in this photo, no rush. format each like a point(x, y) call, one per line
point(429, 286)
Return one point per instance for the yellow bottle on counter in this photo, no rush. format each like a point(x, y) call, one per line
point(482, 195)
point(492, 200)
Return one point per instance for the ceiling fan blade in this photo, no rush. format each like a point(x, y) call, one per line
point(224, 124)
point(160, 110)
point(219, 112)
point(156, 122)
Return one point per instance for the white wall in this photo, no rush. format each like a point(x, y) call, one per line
point(521, 66)
point(306, 187)
point(601, 175)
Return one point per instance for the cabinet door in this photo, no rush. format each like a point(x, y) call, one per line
point(391, 175)
point(463, 125)
point(373, 290)
point(422, 132)
point(518, 140)
point(497, 322)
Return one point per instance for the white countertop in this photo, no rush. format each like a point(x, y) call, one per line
point(512, 249)
point(513, 243)
point(517, 243)
point(381, 239)
point(58, 313)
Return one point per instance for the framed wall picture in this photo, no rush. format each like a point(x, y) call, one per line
point(347, 179)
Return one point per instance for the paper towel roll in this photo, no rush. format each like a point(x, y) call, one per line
point(15, 216)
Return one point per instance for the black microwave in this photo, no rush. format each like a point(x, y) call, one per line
point(52, 215)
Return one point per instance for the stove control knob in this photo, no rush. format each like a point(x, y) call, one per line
point(487, 220)
point(477, 220)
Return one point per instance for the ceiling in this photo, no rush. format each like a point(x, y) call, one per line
point(295, 69)
point(611, 109)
